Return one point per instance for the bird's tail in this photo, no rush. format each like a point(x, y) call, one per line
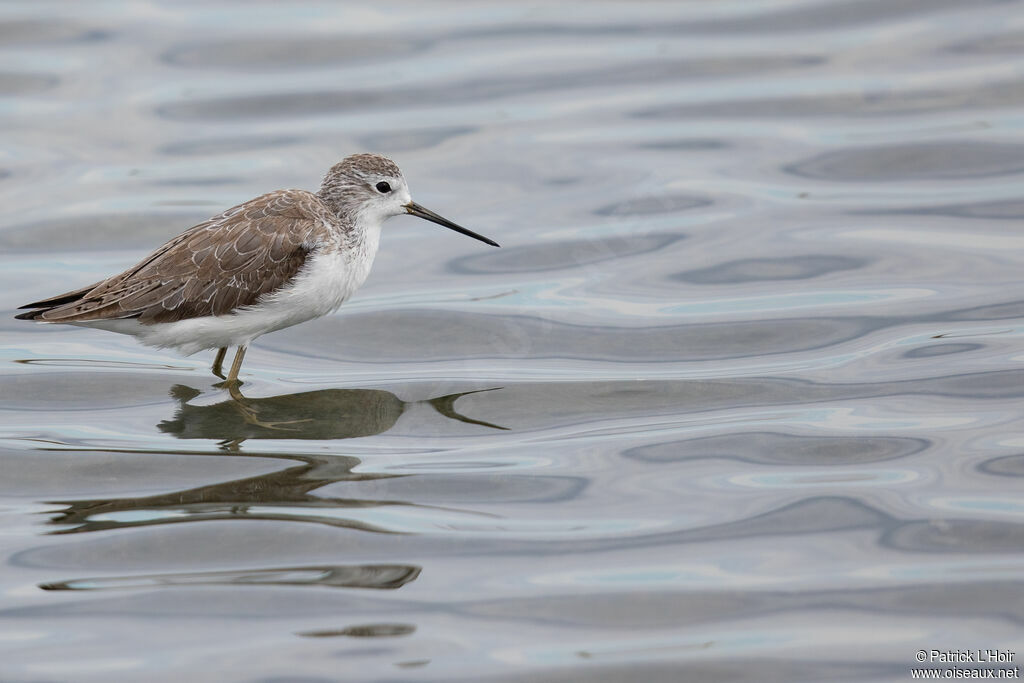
point(46, 305)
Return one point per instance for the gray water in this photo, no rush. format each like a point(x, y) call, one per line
point(740, 398)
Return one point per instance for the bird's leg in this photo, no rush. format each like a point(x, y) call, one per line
point(218, 362)
point(236, 365)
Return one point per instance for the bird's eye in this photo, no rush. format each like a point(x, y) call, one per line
point(383, 187)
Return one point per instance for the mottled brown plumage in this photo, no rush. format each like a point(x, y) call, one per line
point(213, 268)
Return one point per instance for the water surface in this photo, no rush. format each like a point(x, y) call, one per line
point(740, 398)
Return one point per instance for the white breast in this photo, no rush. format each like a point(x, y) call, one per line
point(326, 281)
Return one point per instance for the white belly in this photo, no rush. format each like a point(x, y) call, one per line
point(325, 282)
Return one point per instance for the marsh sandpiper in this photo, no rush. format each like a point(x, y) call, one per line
point(275, 261)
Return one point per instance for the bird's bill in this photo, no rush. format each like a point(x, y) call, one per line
point(415, 209)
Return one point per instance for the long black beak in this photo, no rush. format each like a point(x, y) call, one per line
point(416, 210)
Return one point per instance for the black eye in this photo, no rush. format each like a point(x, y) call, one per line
point(383, 187)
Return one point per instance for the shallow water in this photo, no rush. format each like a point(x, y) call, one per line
point(739, 398)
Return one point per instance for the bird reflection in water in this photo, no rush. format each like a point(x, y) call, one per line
point(323, 414)
point(282, 495)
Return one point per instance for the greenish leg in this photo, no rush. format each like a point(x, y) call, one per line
point(218, 362)
point(236, 365)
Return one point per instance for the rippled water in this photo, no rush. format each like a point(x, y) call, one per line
point(740, 397)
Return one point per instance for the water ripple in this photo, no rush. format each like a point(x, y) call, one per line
point(739, 399)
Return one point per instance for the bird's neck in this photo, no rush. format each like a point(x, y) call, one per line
point(333, 197)
point(359, 234)
point(358, 224)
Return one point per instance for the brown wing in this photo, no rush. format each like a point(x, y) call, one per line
point(222, 264)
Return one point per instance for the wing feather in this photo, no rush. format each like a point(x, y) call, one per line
point(213, 268)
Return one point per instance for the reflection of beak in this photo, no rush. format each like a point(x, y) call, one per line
point(415, 209)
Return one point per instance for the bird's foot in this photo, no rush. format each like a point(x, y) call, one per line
point(250, 413)
point(234, 387)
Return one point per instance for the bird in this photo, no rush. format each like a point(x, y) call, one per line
point(278, 260)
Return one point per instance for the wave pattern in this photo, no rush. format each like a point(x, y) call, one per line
point(740, 399)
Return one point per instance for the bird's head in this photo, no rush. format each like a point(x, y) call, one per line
point(368, 189)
